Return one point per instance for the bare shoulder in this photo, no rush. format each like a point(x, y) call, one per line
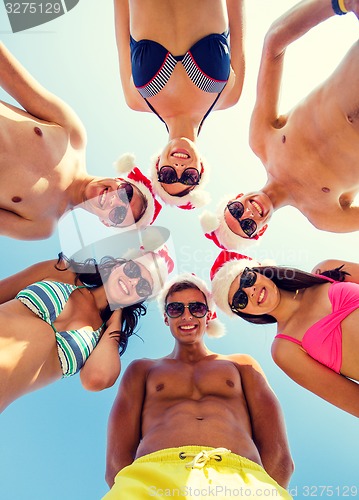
point(243, 360)
point(139, 368)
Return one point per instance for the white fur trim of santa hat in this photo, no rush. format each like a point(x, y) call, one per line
point(214, 226)
point(124, 166)
point(215, 327)
point(196, 198)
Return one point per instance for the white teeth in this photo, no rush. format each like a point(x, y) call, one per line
point(180, 155)
point(257, 207)
point(123, 286)
point(103, 197)
point(261, 296)
point(187, 327)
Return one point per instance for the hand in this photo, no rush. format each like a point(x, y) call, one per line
point(115, 320)
point(352, 6)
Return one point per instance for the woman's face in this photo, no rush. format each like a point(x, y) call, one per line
point(180, 154)
point(123, 289)
point(263, 295)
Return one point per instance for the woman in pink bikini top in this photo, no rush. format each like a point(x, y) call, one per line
point(317, 343)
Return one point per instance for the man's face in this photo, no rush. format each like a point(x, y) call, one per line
point(257, 210)
point(116, 202)
point(180, 154)
point(187, 328)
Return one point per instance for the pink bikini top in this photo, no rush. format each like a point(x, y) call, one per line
point(323, 340)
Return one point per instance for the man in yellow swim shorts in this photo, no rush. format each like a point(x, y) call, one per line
point(195, 424)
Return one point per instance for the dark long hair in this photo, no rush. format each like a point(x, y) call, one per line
point(94, 275)
point(291, 279)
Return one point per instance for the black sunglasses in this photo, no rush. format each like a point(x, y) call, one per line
point(240, 298)
point(168, 175)
point(118, 214)
point(133, 270)
point(196, 309)
point(248, 226)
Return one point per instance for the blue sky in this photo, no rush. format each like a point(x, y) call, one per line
point(53, 441)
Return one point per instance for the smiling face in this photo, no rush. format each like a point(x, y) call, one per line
point(263, 295)
point(187, 328)
point(257, 207)
point(180, 154)
point(122, 289)
point(114, 202)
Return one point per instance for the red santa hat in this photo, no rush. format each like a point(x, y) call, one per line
point(125, 165)
point(214, 327)
point(226, 267)
point(196, 198)
point(158, 263)
point(216, 229)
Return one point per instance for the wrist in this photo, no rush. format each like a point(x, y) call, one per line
point(339, 7)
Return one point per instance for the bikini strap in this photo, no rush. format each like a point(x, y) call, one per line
point(155, 112)
point(287, 337)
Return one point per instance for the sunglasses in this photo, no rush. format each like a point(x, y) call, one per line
point(248, 226)
point(168, 175)
point(196, 309)
point(133, 270)
point(118, 214)
point(240, 298)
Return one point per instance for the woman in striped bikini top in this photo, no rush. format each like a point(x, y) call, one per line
point(62, 317)
point(317, 343)
point(176, 62)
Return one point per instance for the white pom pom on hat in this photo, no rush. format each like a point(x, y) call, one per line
point(214, 327)
point(125, 165)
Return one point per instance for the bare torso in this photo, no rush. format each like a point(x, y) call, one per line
point(205, 406)
point(314, 151)
point(38, 163)
point(177, 26)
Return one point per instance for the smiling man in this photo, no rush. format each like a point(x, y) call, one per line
point(195, 422)
point(44, 145)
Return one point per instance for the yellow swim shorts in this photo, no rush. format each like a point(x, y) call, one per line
point(194, 472)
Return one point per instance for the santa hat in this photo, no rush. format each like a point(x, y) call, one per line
point(126, 165)
point(216, 229)
point(214, 328)
point(196, 198)
point(158, 263)
point(225, 269)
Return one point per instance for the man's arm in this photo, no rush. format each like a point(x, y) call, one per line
point(35, 99)
point(269, 433)
point(124, 425)
point(284, 31)
point(15, 226)
point(122, 28)
point(315, 377)
point(339, 219)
